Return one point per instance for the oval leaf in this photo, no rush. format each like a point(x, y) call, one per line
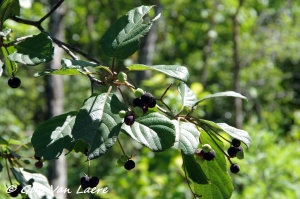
point(233, 132)
point(193, 169)
point(178, 72)
point(98, 123)
point(35, 185)
point(220, 186)
point(187, 137)
point(52, 136)
point(8, 8)
point(221, 94)
point(34, 50)
point(153, 130)
point(188, 96)
point(122, 39)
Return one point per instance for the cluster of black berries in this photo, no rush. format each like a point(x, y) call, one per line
point(39, 163)
point(87, 182)
point(141, 103)
point(207, 153)
point(235, 150)
point(16, 192)
point(14, 82)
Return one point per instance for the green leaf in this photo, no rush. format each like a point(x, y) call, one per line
point(8, 8)
point(221, 94)
point(52, 136)
point(233, 132)
point(1, 167)
point(5, 32)
point(70, 67)
point(177, 72)
point(34, 184)
point(80, 146)
point(187, 137)
point(193, 169)
point(122, 39)
point(34, 50)
point(8, 64)
point(188, 96)
point(3, 141)
point(153, 130)
point(220, 186)
point(98, 123)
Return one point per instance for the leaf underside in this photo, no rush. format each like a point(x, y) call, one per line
point(178, 72)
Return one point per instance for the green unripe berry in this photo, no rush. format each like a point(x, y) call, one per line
point(122, 114)
point(206, 148)
point(240, 155)
point(138, 93)
point(124, 158)
point(120, 163)
point(138, 111)
point(122, 77)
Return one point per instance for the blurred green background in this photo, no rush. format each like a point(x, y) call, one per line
point(198, 34)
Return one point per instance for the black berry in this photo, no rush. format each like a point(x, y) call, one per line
point(129, 119)
point(235, 142)
point(145, 109)
point(86, 151)
point(232, 151)
point(235, 168)
point(14, 194)
point(38, 164)
point(19, 188)
point(199, 153)
point(84, 181)
point(130, 164)
point(210, 155)
point(152, 104)
point(147, 98)
point(137, 102)
point(93, 181)
point(14, 82)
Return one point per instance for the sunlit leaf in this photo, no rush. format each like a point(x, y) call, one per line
point(177, 72)
point(187, 95)
point(153, 130)
point(122, 39)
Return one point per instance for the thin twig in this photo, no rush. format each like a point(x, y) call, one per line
point(51, 11)
point(8, 171)
point(121, 146)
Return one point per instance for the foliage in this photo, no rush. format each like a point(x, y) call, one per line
point(95, 128)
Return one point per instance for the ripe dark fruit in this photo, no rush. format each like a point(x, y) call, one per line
point(130, 164)
point(84, 181)
point(152, 104)
point(199, 153)
point(93, 182)
point(145, 109)
point(16, 192)
point(210, 155)
point(239, 148)
point(38, 164)
point(14, 82)
point(129, 119)
point(235, 168)
point(137, 102)
point(232, 151)
point(147, 98)
point(19, 188)
point(235, 142)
